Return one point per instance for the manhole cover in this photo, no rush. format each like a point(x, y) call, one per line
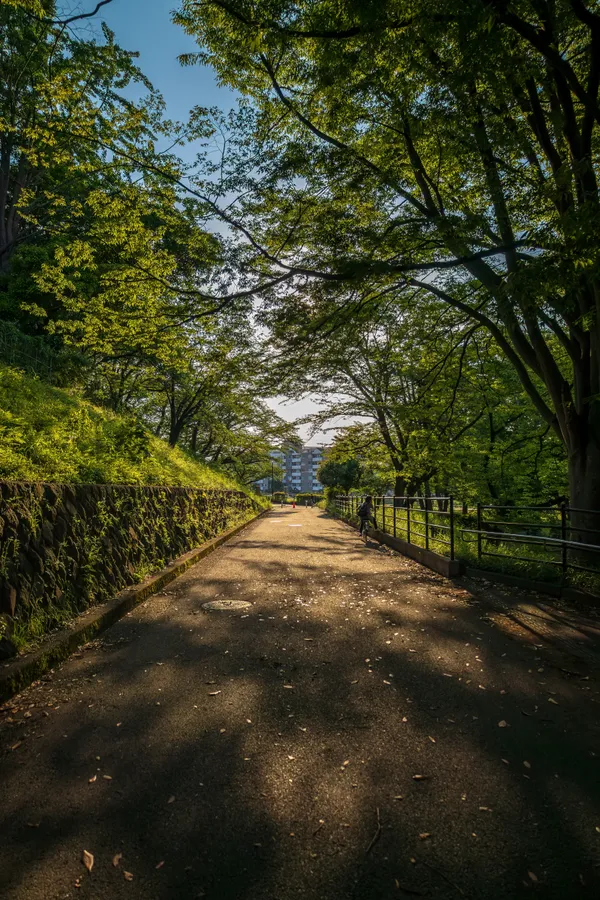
point(225, 605)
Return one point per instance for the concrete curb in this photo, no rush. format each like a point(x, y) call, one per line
point(19, 674)
point(450, 568)
point(571, 594)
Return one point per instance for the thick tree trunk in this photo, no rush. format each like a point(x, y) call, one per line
point(584, 490)
point(175, 428)
point(399, 485)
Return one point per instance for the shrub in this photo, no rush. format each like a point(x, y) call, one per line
point(312, 498)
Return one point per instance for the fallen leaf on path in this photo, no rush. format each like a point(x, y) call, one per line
point(502, 724)
point(552, 700)
point(128, 876)
point(213, 693)
point(16, 746)
point(406, 890)
point(107, 777)
point(533, 877)
point(424, 836)
point(88, 860)
point(289, 687)
point(160, 864)
point(171, 799)
point(92, 779)
point(431, 739)
point(420, 777)
point(527, 764)
point(117, 859)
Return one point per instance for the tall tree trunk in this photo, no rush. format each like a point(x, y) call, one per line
point(399, 487)
point(175, 428)
point(584, 490)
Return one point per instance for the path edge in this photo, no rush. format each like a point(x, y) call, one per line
point(449, 568)
point(20, 673)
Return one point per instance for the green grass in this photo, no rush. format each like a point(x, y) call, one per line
point(51, 434)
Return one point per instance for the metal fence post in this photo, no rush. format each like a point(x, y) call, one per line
point(479, 530)
point(451, 527)
point(426, 523)
point(394, 514)
point(408, 499)
point(563, 535)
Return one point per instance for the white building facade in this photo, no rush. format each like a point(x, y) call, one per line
point(299, 470)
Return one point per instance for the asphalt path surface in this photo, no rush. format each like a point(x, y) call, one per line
point(365, 729)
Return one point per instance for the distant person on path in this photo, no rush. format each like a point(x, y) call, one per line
point(365, 513)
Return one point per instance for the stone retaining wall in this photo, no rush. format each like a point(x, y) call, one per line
point(64, 547)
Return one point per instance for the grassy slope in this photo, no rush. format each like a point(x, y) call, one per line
point(49, 434)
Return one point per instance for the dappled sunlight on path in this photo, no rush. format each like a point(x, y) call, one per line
point(365, 730)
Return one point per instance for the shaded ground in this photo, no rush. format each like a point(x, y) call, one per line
point(271, 754)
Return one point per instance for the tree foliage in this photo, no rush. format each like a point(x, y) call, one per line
point(441, 145)
point(107, 255)
point(344, 475)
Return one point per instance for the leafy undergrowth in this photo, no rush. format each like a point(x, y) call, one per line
point(50, 434)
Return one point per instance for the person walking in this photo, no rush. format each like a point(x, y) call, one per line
point(366, 514)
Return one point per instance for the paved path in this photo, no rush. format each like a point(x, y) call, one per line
point(366, 731)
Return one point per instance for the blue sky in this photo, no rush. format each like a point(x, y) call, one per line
point(146, 26)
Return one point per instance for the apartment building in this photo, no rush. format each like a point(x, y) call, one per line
point(299, 470)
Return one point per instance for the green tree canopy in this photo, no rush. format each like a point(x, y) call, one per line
point(445, 145)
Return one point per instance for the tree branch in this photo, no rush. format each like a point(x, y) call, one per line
point(547, 414)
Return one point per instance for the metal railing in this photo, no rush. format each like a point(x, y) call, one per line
point(563, 537)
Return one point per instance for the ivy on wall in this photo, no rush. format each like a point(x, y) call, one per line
point(65, 547)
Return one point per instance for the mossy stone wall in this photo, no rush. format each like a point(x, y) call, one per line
point(64, 547)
